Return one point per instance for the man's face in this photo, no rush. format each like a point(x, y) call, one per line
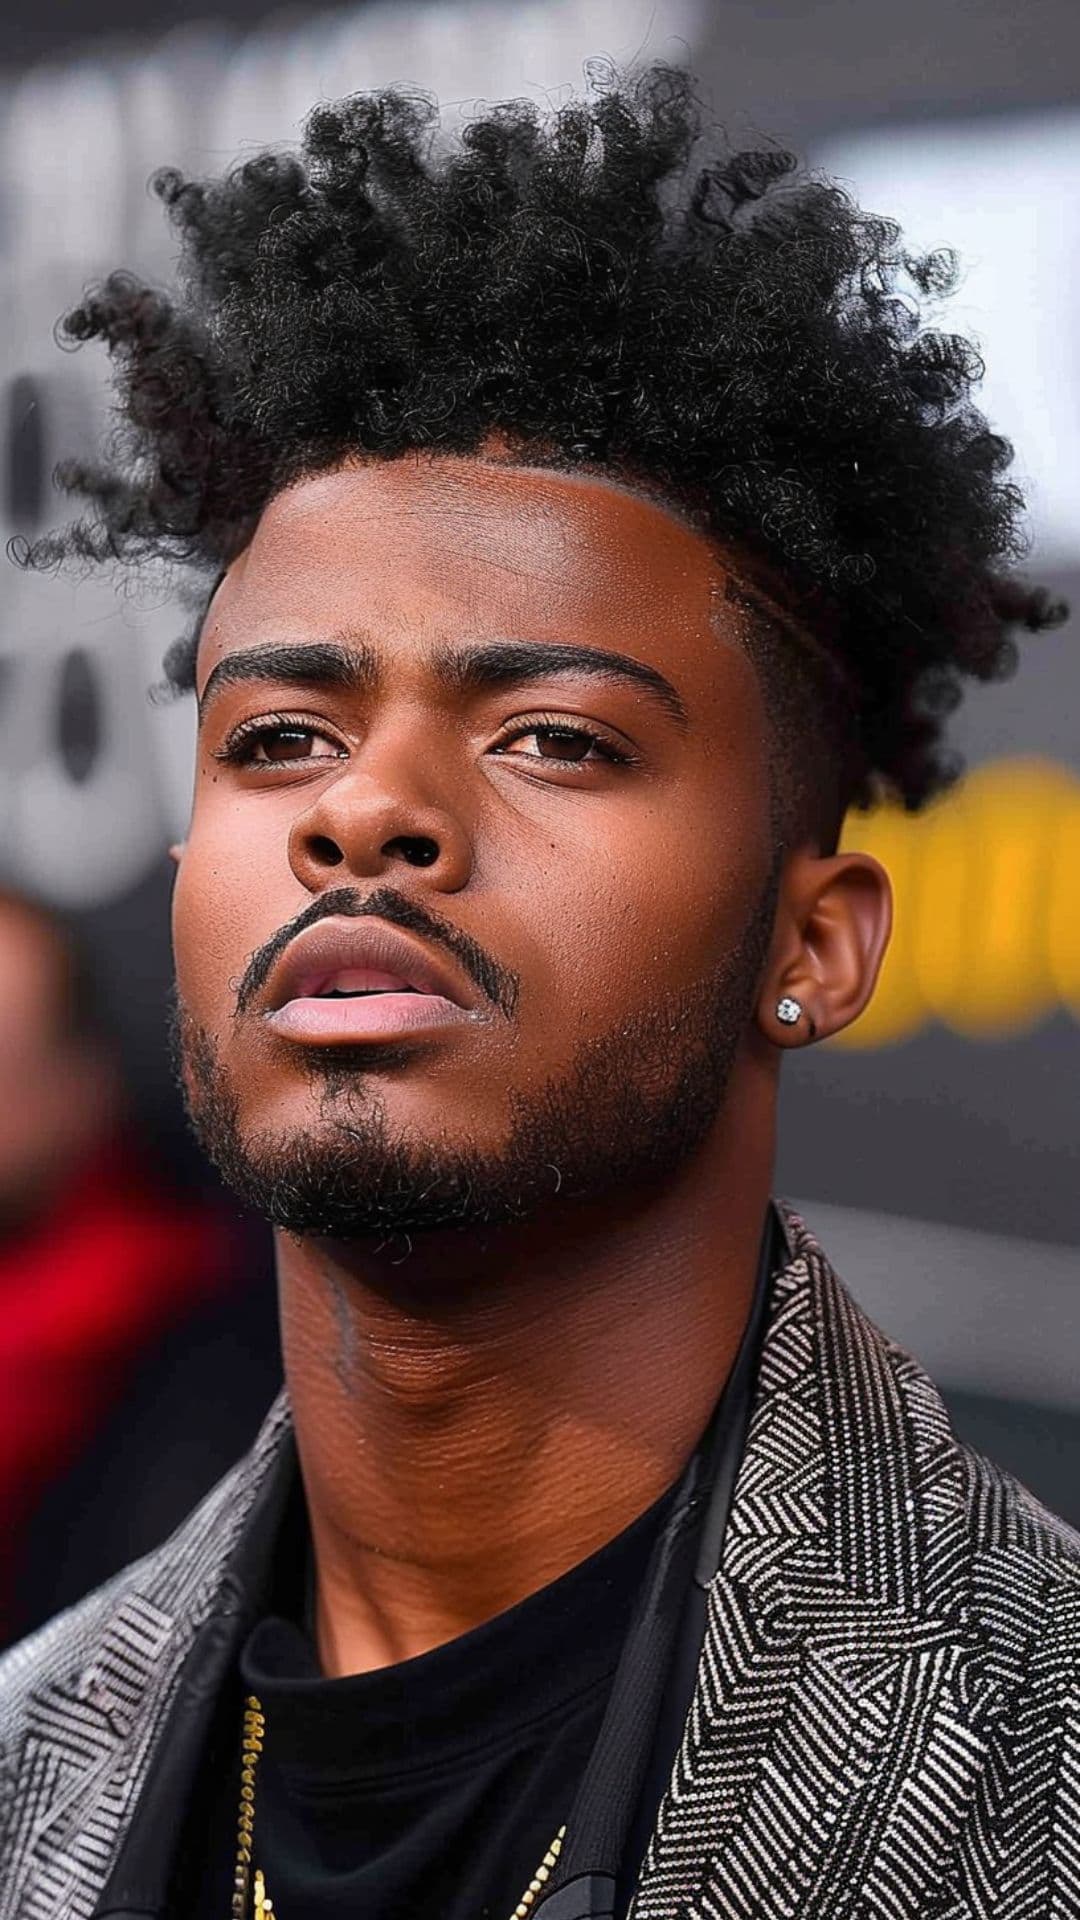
point(489, 717)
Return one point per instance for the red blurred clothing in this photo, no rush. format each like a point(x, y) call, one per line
point(82, 1291)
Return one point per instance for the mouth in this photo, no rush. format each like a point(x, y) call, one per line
point(347, 980)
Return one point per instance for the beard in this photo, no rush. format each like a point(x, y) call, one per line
point(631, 1109)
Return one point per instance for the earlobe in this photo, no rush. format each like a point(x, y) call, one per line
point(832, 928)
point(791, 1014)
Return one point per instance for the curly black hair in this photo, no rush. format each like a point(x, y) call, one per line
point(609, 287)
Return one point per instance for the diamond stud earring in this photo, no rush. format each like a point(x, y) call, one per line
point(789, 1011)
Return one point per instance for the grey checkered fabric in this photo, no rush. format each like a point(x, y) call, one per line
point(886, 1724)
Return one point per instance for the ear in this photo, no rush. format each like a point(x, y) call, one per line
point(833, 920)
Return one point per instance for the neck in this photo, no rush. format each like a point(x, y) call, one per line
point(478, 1413)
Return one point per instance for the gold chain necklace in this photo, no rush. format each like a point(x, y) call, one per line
point(247, 1880)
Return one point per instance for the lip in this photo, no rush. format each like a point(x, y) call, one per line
point(435, 994)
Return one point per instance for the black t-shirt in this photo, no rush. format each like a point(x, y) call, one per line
point(434, 1786)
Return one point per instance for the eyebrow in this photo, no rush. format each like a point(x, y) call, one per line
point(500, 663)
point(354, 666)
point(318, 663)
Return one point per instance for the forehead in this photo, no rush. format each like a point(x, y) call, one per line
point(449, 546)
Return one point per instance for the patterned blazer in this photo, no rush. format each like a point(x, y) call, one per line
point(886, 1724)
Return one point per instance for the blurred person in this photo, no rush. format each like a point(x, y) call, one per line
point(59, 1091)
point(98, 1258)
point(589, 519)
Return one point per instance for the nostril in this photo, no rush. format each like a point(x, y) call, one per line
point(326, 851)
point(418, 849)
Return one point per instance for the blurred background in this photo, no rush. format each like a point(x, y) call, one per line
point(936, 1149)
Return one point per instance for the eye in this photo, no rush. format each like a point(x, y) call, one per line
point(277, 743)
point(562, 743)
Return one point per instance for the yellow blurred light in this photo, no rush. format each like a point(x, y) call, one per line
point(987, 892)
point(1063, 913)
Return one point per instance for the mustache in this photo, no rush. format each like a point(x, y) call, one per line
point(497, 983)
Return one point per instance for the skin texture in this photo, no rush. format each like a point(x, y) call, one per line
point(478, 1409)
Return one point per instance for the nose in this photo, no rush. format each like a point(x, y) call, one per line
point(373, 819)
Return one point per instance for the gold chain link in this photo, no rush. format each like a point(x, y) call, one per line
point(254, 1732)
point(262, 1905)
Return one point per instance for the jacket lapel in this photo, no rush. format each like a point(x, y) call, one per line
point(73, 1777)
point(843, 1702)
point(101, 1696)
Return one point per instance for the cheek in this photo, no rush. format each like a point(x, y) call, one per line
point(651, 901)
point(192, 932)
point(220, 908)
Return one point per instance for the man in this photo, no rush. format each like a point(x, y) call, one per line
point(590, 524)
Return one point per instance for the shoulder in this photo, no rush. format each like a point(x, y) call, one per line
point(1025, 1581)
point(118, 1649)
point(1019, 1557)
point(1006, 1519)
point(978, 1543)
point(979, 1575)
point(1020, 1835)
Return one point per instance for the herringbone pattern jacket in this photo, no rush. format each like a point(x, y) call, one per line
point(886, 1724)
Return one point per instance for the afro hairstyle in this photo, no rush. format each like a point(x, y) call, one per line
point(608, 287)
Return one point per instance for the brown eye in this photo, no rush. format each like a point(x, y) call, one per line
point(277, 743)
point(560, 743)
point(285, 743)
point(563, 743)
